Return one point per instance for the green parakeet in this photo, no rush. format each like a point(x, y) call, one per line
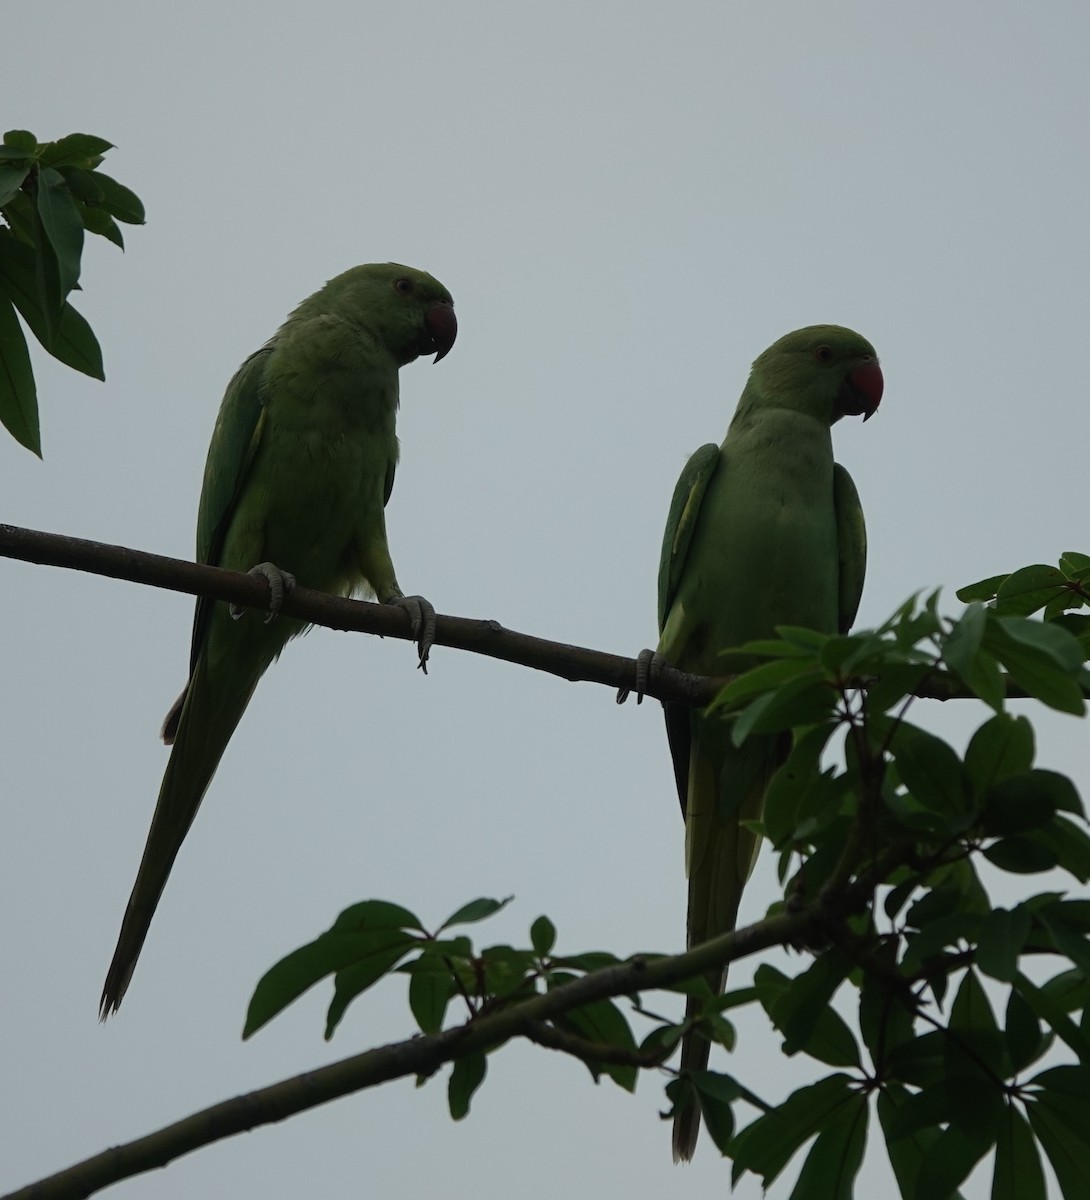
point(764, 530)
point(299, 471)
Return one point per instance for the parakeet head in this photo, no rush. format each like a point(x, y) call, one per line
point(407, 310)
point(823, 370)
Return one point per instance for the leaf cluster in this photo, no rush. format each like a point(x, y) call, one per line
point(50, 194)
point(375, 938)
point(892, 841)
point(961, 1023)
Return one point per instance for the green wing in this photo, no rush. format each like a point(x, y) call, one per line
point(230, 457)
point(851, 536)
point(684, 508)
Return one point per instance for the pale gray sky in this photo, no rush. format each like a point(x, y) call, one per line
point(629, 201)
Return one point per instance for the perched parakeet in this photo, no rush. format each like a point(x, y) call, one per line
point(299, 471)
point(764, 530)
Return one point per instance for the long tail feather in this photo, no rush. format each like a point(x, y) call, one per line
point(208, 718)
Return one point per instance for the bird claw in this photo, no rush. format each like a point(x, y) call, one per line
point(281, 584)
point(422, 623)
point(649, 664)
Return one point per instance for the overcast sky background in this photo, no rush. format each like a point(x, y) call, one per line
point(628, 201)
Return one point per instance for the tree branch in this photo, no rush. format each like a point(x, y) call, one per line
point(483, 636)
point(416, 1056)
point(574, 663)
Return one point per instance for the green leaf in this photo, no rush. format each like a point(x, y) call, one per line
point(1067, 843)
point(936, 935)
point(775, 648)
point(663, 1039)
point(73, 343)
point(99, 221)
point(20, 140)
point(591, 960)
point(506, 970)
point(475, 910)
point(905, 1151)
point(898, 897)
point(946, 1163)
point(803, 1014)
point(1003, 746)
point(370, 916)
point(118, 201)
point(835, 1158)
point(1071, 942)
point(765, 678)
point(985, 680)
point(841, 655)
point(947, 898)
point(767, 1145)
point(1047, 638)
point(76, 149)
point(1026, 1040)
point(714, 1094)
point(1071, 1085)
point(984, 589)
point(1073, 913)
point(63, 228)
point(377, 957)
point(1029, 589)
point(1066, 1148)
point(11, 180)
point(1069, 991)
point(927, 1108)
point(1003, 936)
point(931, 770)
point(800, 776)
point(603, 1022)
point(884, 1021)
point(961, 644)
point(803, 701)
point(18, 397)
point(770, 984)
point(1024, 802)
point(1051, 1011)
point(974, 1057)
point(1041, 657)
point(82, 185)
point(919, 1062)
point(809, 640)
point(374, 952)
point(895, 683)
point(21, 216)
point(466, 1077)
point(1075, 565)
point(543, 935)
point(431, 986)
point(1078, 625)
point(1021, 855)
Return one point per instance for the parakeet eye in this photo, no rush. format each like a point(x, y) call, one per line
point(823, 354)
point(404, 286)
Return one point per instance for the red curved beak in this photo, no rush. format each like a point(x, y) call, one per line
point(867, 382)
point(442, 327)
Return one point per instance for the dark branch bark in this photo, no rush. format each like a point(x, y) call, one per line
point(487, 637)
point(575, 663)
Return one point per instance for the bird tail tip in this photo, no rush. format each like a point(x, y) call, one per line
point(686, 1130)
